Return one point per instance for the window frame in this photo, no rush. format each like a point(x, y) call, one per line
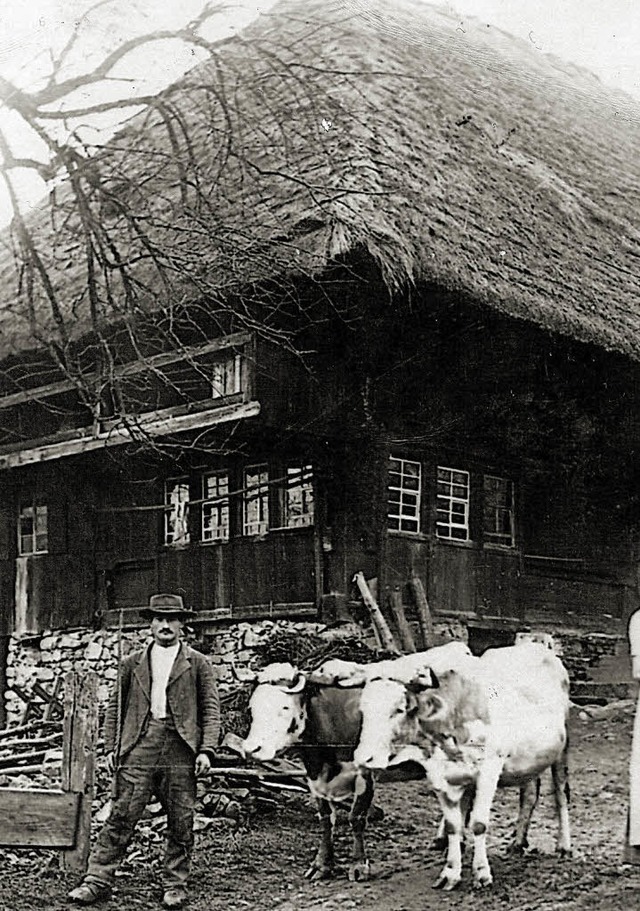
point(172, 483)
point(306, 484)
point(404, 493)
point(263, 495)
point(37, 508)
point(221, 505)
point(452, 500)
point(511, 510)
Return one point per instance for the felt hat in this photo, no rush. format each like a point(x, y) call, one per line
point(164, 605)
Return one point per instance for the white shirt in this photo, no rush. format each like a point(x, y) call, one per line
point(161, 663)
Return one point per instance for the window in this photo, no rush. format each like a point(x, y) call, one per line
point(298, 497)
point(405, 489)
point(452, 504)
point(33, 535)
point(255, 501)
point(499, 512)
point(226, 376)
point(176, 499)
point(215, 508)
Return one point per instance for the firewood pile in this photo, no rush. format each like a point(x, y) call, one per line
point(31, 753)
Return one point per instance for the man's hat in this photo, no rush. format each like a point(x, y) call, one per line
point(171, 606)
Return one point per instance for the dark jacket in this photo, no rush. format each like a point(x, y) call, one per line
point(192, 699)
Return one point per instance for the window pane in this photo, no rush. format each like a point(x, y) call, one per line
point(256, 501)
point(452, 504)
point(176, 529)
point(215, 508)
point(226, 376)
point(298, 501)
point(404, 495)
point(33, 535)
point(499, 511)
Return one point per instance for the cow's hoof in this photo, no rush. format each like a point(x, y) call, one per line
point(315, 873)
point(360, 872)
point(482, 879)
point(439, 844)
point(565, 852)
point(446, 881)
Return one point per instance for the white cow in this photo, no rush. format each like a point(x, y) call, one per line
point(496, 720)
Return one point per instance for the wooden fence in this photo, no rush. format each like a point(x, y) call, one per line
point(60, 818)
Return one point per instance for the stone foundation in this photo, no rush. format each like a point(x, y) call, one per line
point(236, 651)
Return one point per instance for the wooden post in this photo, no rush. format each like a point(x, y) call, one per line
point(379, 623)
point(424, 613)
point(78, 760)
point(400, 619)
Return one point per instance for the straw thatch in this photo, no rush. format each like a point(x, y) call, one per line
point(452, 154)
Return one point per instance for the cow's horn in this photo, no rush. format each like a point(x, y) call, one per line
point(297, 685)
point(425, 680)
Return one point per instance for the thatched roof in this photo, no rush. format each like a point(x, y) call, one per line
point(456, 156)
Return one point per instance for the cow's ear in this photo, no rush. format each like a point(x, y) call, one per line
point(412, 704)
point(431, 706)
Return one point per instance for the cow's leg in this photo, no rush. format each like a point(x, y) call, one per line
point(363, 795)
point(560, 775)
point(529, 794)
point(451, 807)
point(486, 786)
point(439, 842)
point(322, 866)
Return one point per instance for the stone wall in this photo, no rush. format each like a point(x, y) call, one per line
point(235, 650)
point(232, 651)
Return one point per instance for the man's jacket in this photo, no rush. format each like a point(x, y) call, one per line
point(192, 700)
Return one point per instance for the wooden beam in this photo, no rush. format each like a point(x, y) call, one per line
point(400, 619)
point(78, 761)
point(132, 618)
point(37, 818)
point(424, 612)
point(235, 340)
point(159, 426)
point(380, 625)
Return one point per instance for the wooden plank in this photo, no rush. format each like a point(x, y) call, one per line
point(37, 393)
point(27, 728)
point(37, 818)
point(402, 625)
point(132, 619)
point(377, 619)
point(424, 612)
point(160, 424)
point(78, 767)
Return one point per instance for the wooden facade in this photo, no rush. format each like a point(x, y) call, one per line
point(444, 441)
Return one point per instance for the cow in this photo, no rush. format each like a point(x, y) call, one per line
point(319, 715)
point(497, 720)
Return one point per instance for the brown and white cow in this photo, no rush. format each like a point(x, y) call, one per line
point(498, 720)
point(319, 716)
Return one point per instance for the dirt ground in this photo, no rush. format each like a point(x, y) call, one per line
point(260, 865)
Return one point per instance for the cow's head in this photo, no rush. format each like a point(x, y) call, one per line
point(391, 715)
point(278, 713)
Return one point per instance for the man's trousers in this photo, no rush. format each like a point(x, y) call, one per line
point(160, 764)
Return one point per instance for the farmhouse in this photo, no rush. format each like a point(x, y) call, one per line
point(361, 294)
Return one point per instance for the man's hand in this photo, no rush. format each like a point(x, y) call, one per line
point(203, 764)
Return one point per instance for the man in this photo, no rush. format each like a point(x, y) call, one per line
point(632, 845)
point(161, 728)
